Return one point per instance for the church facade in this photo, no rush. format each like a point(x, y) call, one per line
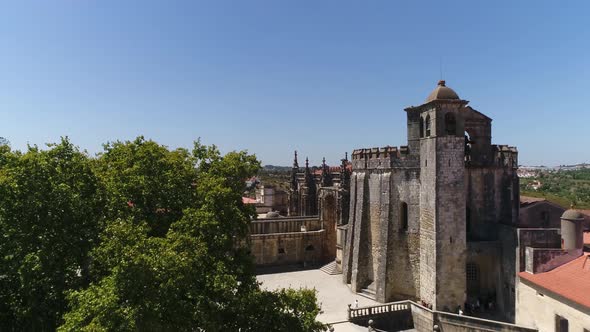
point(435, 220)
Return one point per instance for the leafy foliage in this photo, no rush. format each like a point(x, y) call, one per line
point(146, 182)
point(139, 238)
point(50, 218)
point(562, 187)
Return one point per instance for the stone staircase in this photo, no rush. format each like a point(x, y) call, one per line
point(331, 268)
point(369, 292)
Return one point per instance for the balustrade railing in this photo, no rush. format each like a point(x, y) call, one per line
point(377, 309)
point(284, 226)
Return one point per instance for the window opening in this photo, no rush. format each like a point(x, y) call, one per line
point(403, 216)
point(421, 127)
point(450, 124)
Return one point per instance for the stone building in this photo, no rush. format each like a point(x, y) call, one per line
point(428, 220)
point(554, 289)
point(438, 222)
point(317, 203)
point(271, 198)
point(539, 213)
point(311, 187)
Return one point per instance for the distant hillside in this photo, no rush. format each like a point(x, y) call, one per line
point(278, 176)
point(273, 168)
point(563, 187)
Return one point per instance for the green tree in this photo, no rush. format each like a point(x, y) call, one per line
point(50, 218)
point(147, 182)
point(193, 272)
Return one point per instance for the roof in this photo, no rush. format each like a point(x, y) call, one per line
point(442, 92)
point(573, 215)
point(527, 200)
point(248, 200)
point(570, 280)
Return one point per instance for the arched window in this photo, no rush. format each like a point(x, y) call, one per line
point(427, 126)
point(450, 124)
point(421, 127)
point(403, 217)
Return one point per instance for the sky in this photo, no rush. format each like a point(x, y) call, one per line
point(321, 77)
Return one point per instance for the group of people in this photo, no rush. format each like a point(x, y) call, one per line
point(478, 305)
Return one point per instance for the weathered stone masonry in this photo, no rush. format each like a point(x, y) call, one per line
point(425, 219)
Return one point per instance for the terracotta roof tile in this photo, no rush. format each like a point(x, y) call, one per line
point(248, 200)
point(570, 280)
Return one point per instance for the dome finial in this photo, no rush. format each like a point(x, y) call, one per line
point(442, 92)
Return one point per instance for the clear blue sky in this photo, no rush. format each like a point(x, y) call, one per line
point(322, 77)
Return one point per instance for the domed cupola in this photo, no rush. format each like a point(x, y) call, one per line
point(442, 92)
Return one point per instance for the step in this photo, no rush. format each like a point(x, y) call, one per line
point(368, 293)
point(331, 268)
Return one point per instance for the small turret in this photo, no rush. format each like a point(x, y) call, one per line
point(572, 236)
point(294, 171)
point(295, 163)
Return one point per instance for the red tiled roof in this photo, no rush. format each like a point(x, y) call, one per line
point(571, 280)
point(248, 200)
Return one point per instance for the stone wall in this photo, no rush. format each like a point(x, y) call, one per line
point(287, 248)
point(328, 219)
point(428, 212)
point(451, 241)
point(508, 256)
point(541, 214)
point(385, 253)
point(448, 322)
point(539, 260)
point(536, 238)
point(487, 258)
point(403, 248)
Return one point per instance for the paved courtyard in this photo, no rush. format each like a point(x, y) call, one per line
point(333, 295)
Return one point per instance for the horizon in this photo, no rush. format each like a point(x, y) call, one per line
point(268, 77)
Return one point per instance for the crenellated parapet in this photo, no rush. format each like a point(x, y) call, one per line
point(382, 158)
point(505, 156)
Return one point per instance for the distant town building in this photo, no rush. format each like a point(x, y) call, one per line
point(269, 198)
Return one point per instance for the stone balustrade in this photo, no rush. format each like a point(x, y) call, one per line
point(285, 225)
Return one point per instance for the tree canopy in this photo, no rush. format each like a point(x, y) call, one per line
point(139, 238)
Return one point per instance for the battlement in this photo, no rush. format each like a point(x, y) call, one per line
point(505, 156)
point(380, 158)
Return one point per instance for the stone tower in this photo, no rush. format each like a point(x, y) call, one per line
point(433, 221)
point(442, 197)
